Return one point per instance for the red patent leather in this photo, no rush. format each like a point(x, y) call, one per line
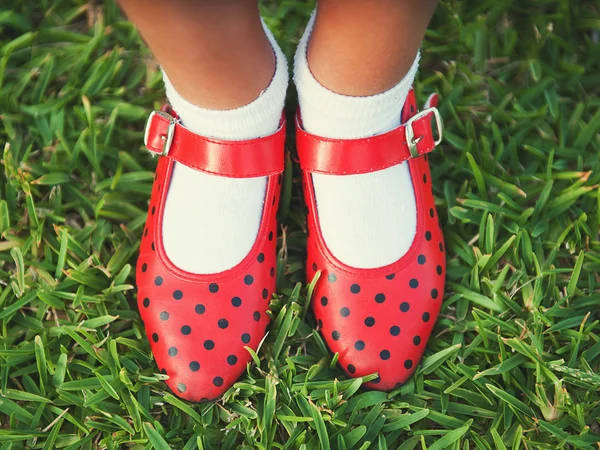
point(198, 325)
point(353, 156)
point(378, 320)
point(235, 159)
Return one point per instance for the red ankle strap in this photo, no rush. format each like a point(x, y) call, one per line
point(353, 156)
point(166, 136)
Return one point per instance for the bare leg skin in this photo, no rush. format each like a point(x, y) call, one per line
point(215, 52)
point(364, 47)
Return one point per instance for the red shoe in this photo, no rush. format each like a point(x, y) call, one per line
point(198, 325)
point(378, 320)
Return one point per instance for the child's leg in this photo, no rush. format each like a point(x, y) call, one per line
point(226, 78)
point(353, 70)
point(373, 228)
point(215, 53)
point(362, 48)
point(206, 266)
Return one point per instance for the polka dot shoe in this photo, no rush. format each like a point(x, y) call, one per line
point(378, 320)
point(198, 325)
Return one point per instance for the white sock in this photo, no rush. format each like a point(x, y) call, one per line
point(211, 222)
point(367, 220)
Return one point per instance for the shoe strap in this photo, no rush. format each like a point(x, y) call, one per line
point(413, 138)
point(259, 157)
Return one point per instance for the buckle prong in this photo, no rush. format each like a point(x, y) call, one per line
point(411, 140)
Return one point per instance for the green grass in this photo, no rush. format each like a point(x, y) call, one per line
point(514, 362)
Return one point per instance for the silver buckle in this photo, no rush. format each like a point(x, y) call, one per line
point(410, 134)
point(168, 138)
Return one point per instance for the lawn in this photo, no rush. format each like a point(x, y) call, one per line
point(514, 362)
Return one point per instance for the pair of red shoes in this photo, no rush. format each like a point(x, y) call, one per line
point(378, 320)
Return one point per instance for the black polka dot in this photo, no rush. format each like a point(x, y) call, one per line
point(153, 210)
point(413, 283)
point(186, 329)
point(320, 323)
point(158, 281)
point(335, 335)
point(181, 387)
point(265, 294)
point(355, 288)
point(194, 366)
point(236, 301)
point(314, 267)
point(384, 354)
point(173, 351)
point(218, 381)
point(164, 315)
point(209, 345)
point(359, 345)
point(144, 267)
point(146, 232)
point(232, 360)
point(421, 259)
point(426, 317)
point(438, 269)
point(434, 293)
point(155, 337)
point(390, 276)
point(376, 380)
point(431, 212)
point(324, 301)
point(428, 235)
point(270, 235)
point(441, 247)
point(351, 368)
point(245, 338)
point(256, 315)
point(272, 272)
point(200, 309)
point(380, 298)
point(163, 371)
point(417, 340)
point(332, 277)
point(223, 323)
point(261, 257)
point(153, 248)
point(146, 302)
point(404, 306)
point(395, 330)
point(248, 279)
point(424, 178)
point(178, 295)
point(345, 312)
point(213, 288)
point(369, 321)
point(408, 364)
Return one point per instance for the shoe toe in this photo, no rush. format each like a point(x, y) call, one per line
point(379, 320)
point(379, 324)
point(198, 331)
